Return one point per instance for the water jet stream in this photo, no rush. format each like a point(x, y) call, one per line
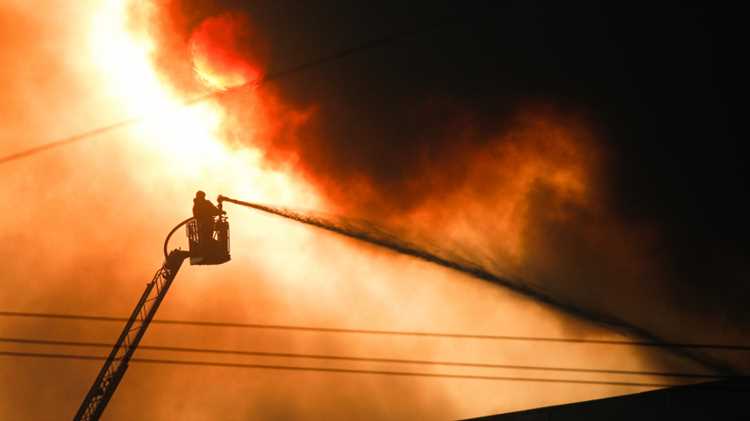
point(378, 237)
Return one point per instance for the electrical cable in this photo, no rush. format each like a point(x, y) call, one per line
point(337, 370)
point(724, 347)
point(46, 342)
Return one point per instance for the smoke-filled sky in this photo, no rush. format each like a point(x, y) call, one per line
point(592, 151)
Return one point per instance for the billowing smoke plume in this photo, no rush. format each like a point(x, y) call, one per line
point(427, 139)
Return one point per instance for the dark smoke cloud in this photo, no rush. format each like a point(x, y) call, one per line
point(398, 133)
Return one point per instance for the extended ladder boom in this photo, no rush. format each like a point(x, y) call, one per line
point(117, 362)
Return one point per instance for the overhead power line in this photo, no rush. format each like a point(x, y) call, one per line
point(614, 342)
point(47, 342)
point(336, 56)
point(67, 141)
point(339, 370)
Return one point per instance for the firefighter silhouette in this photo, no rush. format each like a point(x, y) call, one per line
point(204, 212)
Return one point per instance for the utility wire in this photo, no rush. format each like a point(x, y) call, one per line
point(46, 342)
point(339, 55)
point(337, 370)
point(381, 332)
point(68, 140)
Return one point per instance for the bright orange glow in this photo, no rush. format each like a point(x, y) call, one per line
point(215, 49)
point(184, 142)
point(187, 145)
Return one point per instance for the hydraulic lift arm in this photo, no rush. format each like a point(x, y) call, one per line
point(114, 368)
point(212, 250)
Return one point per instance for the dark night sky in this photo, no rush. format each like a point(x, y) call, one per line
point(659, 84)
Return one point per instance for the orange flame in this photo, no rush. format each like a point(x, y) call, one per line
point(185, 144)
point(225, 52)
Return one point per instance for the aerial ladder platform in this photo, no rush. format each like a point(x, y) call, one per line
point(202, 251)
